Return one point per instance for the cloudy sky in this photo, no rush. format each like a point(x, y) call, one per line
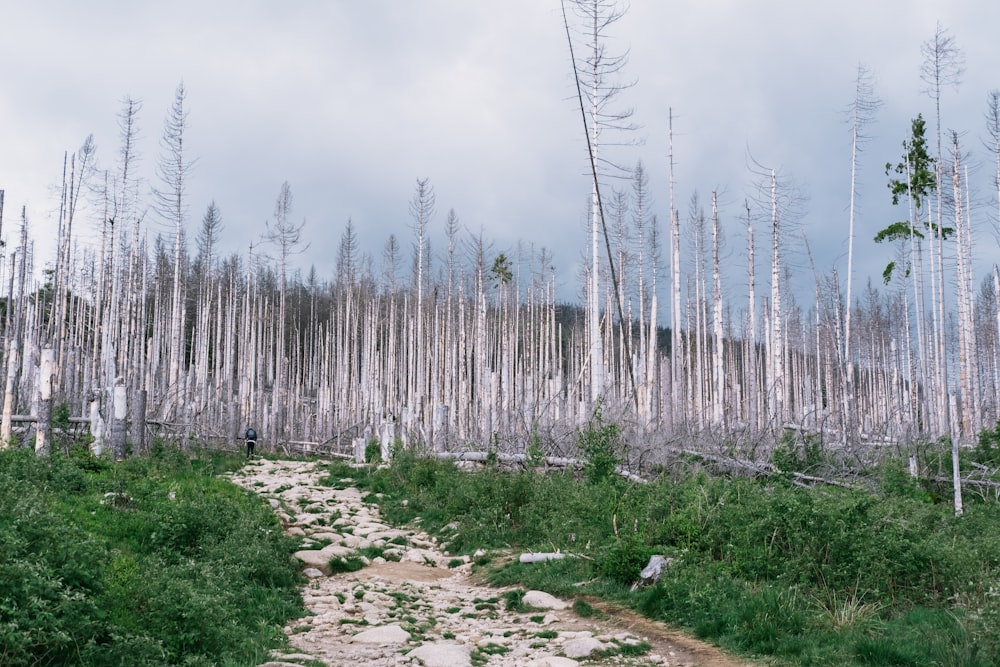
point(352, 101)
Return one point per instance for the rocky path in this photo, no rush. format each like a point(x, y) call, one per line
point(415, 605)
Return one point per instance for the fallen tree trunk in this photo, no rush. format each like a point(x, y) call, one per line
point(554, 461)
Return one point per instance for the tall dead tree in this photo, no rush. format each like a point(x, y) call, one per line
point(718, 374)
point(943, 66)
point(421, 210)
point(676, 341)
point(861, 112)
point(776, 365)
point(171, 203)
point(286, 237)
point(751, 355)
point(598, 75)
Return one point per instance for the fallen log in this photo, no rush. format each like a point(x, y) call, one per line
point(554, 461)
point(540, 557)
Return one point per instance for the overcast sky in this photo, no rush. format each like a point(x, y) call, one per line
point(352, 101)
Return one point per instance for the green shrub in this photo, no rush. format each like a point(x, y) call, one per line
point(373, 451)
point(897, 481)
point(987, 450)
point(624, 560)
point(601, 447)
point(798, 452)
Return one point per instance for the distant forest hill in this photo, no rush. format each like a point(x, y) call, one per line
point(479, 353)
point(478, 350)
point(471, 346)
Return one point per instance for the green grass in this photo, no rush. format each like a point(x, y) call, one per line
point(341, 564)
point(158, 561)
point(151, 561)
point(823, 576)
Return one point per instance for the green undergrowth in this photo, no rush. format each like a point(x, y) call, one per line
point(151, 561)
point(796, 576)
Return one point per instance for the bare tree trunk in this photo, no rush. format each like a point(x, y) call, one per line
point(119, 413)
point(752, 381)
point(863, 108)
point(776, 385)
point(11, 360)
point(719, 400)
point(43, 427)
point(955, 470)
point(676, 353)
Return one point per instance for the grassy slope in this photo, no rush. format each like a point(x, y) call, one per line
point(152, 561)
point(822, 576)
point(176, 566)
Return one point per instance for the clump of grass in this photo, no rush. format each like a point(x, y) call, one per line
point(633, 649)
point(341, 564)
point(493, 649)
point(582, 608)
point(372, 552)
point(845, 610)
point(620, 648)
point(353, 621)
point(514, 601)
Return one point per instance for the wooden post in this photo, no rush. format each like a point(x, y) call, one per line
point(439, 435)
point(97, 426)
point(43, 427)
point(119, 412)
point(137, 421)
point(8, 396)
point(388, 433)
point(956, 472)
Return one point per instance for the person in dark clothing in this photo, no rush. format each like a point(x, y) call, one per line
point(251, 437)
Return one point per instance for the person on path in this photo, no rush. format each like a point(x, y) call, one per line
point(251, 438)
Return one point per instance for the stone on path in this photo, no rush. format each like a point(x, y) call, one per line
point(320, 558)
point(582, 647)
point(442, 655)
point(284, 659)
point(542, 600)
point(386, 634)
point(552, 661)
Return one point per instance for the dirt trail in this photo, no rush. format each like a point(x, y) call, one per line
point(416, 605)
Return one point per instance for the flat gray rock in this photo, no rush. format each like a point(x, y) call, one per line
point(442, 655)
point(385, 634)
point(552, 661)
point(582, 647)
point(542, 600)
point(320, 558)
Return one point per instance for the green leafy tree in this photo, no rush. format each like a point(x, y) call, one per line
point(914, 178)
point(501, 273)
